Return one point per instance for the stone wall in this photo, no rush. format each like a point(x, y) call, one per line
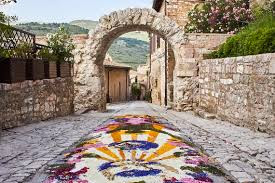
point(156, 77)
point(197, 45)
point(182, 76)
point(178, 10)
point(240, 90)
point(31, 101)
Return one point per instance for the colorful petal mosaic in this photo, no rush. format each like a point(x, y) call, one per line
point(135, 149)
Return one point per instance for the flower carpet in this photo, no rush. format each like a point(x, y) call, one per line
point(135, 149)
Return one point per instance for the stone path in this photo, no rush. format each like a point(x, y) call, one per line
point(24, 150)
point(246, 155)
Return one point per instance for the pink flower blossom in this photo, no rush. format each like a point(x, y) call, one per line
point(137, 121)
point(191, 180)
point(197, 160)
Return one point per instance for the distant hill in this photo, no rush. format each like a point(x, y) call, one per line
point(129, 51)
point(131, 48)
point(42, 29)
point(87, 24)
point(90, 24)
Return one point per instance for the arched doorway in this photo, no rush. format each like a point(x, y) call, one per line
point(89, 81)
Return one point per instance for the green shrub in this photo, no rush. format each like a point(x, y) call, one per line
point(46, 53)
point(136, 90)
point(23, 50)
point(257, 38)
point(148, 96)
point(62, 45)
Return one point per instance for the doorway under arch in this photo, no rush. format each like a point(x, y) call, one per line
point(89, 81)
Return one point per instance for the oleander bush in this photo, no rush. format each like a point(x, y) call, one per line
point(219, 16)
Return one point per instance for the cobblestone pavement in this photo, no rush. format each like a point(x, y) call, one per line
point(247, 156)
point(24, 150)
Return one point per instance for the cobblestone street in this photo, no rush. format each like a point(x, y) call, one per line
point(245, 155)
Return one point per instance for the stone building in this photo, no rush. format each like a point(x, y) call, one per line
point(162, 56)
point(117, 81)
point(175, 84)
point(143, 79)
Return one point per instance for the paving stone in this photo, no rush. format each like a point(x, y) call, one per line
point(231, 167)
point(246, 180)
point(238, 175)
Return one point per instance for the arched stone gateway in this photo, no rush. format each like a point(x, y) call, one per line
point(89, 78)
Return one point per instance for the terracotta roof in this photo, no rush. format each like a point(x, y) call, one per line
point(157, 4)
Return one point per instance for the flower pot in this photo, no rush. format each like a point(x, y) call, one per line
point(12, 70)
point(50, 69)
point(63, 69)
point(34, 69)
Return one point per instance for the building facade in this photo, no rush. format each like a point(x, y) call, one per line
point(176, 84)
point(162, 56)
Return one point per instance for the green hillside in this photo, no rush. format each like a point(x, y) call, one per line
point(45, 28)
point(131, 48)
point(87, 24)
point(90, 24)
point(129, 51)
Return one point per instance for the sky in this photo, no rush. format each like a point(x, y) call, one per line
point(68, 10)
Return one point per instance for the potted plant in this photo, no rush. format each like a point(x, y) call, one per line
point(50, 67)
point(62, 47)
point(12, 70)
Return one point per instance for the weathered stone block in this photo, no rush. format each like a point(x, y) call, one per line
point(187, 69)
point(236, 78)
point(189, 52)
point(272, 66)
point(226, 81)
point(240, 68)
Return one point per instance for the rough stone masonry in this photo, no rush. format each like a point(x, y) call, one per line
point(240, 90)
point(29, 101)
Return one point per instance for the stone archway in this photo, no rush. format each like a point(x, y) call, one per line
point(89, 79)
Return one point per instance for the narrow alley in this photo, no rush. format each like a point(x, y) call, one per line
point(28, 153)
